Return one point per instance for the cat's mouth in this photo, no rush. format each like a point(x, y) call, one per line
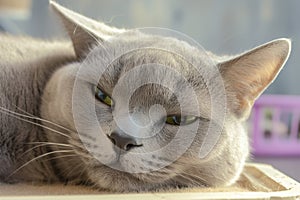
point(130, 164)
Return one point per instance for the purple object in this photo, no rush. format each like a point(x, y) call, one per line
point(275, 125)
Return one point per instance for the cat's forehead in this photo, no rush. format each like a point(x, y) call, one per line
point(153, 66)
point(161, 69)
point(165, 55)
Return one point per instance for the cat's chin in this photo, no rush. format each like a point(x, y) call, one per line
point(120, 181)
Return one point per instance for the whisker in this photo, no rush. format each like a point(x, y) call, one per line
point(31, 116)
point(198, 176)
point(83, 170)
point(17, 107)
point(70, 157)
point(194, 178)
point(63, 156)
point(51, 143)
point(34, 123)
point(41, 144)
point(73, 169)
point(67, 156)
point(72, 144)
point(38, 157)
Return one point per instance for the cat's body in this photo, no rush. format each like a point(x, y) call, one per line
point(25, 70)
point(41, 78)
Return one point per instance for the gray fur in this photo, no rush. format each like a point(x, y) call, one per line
point(38, 77)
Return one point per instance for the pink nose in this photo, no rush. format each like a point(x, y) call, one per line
point(123, 141)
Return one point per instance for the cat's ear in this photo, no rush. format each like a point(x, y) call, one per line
point(246, 76)
point(84, 32)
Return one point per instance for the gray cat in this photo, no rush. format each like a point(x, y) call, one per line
point(81, 112)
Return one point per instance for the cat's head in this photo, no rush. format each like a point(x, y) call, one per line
point(151, 111)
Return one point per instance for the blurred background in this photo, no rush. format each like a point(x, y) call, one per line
point(223, 27)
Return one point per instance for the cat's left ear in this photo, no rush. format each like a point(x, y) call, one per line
point(246, 76)
point(84, 32)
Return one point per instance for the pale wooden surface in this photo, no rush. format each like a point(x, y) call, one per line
point(287, 165)
point(257, 182)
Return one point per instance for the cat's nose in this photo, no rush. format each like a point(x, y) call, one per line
point(123, 142)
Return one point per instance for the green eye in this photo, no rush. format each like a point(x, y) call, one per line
point(101, 96)
point(180, 120)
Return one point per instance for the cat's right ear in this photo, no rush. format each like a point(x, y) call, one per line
point(84, 32)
